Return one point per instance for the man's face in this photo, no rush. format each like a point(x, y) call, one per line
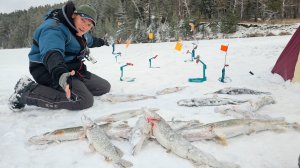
point(82, 25)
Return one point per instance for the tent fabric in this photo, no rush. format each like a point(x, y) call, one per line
point(297, 70)
point(287, 64)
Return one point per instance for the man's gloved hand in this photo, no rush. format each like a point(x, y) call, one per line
point(106, 42)
point(98, 42)
point(64, 83)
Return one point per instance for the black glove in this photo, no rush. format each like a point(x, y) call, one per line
point(106, 42)
point(98, 42)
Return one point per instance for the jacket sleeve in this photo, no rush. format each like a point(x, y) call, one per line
point(55, 64)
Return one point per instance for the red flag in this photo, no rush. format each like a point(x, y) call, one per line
point(224, 48)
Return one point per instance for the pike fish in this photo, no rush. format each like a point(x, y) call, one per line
point(214, 101)
point(170, 90)
point(138, 135)
point(238, 91)
point(113, 131)
point(99, 142)
point(179, 124)
point(221, 130)
point(59, 135)
point(124, 115)
point(246, 110)
point(114, 98)
point(177, 144)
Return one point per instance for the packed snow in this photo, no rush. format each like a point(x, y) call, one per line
point(260, 150)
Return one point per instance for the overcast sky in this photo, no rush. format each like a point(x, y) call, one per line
point(7, 6)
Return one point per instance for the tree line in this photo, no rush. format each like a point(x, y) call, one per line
point(167, 19)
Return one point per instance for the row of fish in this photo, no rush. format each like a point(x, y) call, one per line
point(173, 135)
point(115, 98)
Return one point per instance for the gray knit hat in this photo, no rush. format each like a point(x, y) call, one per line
point(87, 11)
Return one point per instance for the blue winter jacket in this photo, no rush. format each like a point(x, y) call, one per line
point(55, 36)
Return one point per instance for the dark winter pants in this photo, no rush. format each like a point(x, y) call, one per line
point(82, 94)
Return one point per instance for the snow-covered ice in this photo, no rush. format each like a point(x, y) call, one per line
point(258, 55)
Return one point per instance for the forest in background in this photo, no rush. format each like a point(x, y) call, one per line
point(168, 20)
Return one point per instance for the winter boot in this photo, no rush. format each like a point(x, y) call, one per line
point(15, 101)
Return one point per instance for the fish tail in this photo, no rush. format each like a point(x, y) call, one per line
point(125, 163)
point(221, 140)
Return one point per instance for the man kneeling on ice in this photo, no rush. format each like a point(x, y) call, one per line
point(56, 62)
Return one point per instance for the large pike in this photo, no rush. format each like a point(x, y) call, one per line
point(59, 135)
point(214, 101)
point(177, 144)
point(113, 131)
point(246, 110)
point(100, 142)
point(238, 91)
point(222, 130)
point(139, 134)
point(124, 115)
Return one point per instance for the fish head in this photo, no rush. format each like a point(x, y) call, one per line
point(148, 113)
point(87, 122)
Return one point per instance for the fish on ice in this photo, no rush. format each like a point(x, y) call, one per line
point(238, 91)
point(170, 90)
point(180, 146)
point(248, 109)
point(214, 101)
point(99, 142)
point(222, 130)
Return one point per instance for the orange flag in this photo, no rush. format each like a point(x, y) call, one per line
point(178, 46)
point(224, 48)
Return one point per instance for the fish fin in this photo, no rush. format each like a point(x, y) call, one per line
point(280, 130)
point(229, 165)
point(37, 140)
point(221, 139)
point(251, 131)
point(82, 135)
point(137, 148)
point(57, 141)
point(125, 163)
point(92, 148)
point(296, 126)
point(108, 159)
point(119, 151)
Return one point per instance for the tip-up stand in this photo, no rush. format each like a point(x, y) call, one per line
point(199, 80)
point(126, 79)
